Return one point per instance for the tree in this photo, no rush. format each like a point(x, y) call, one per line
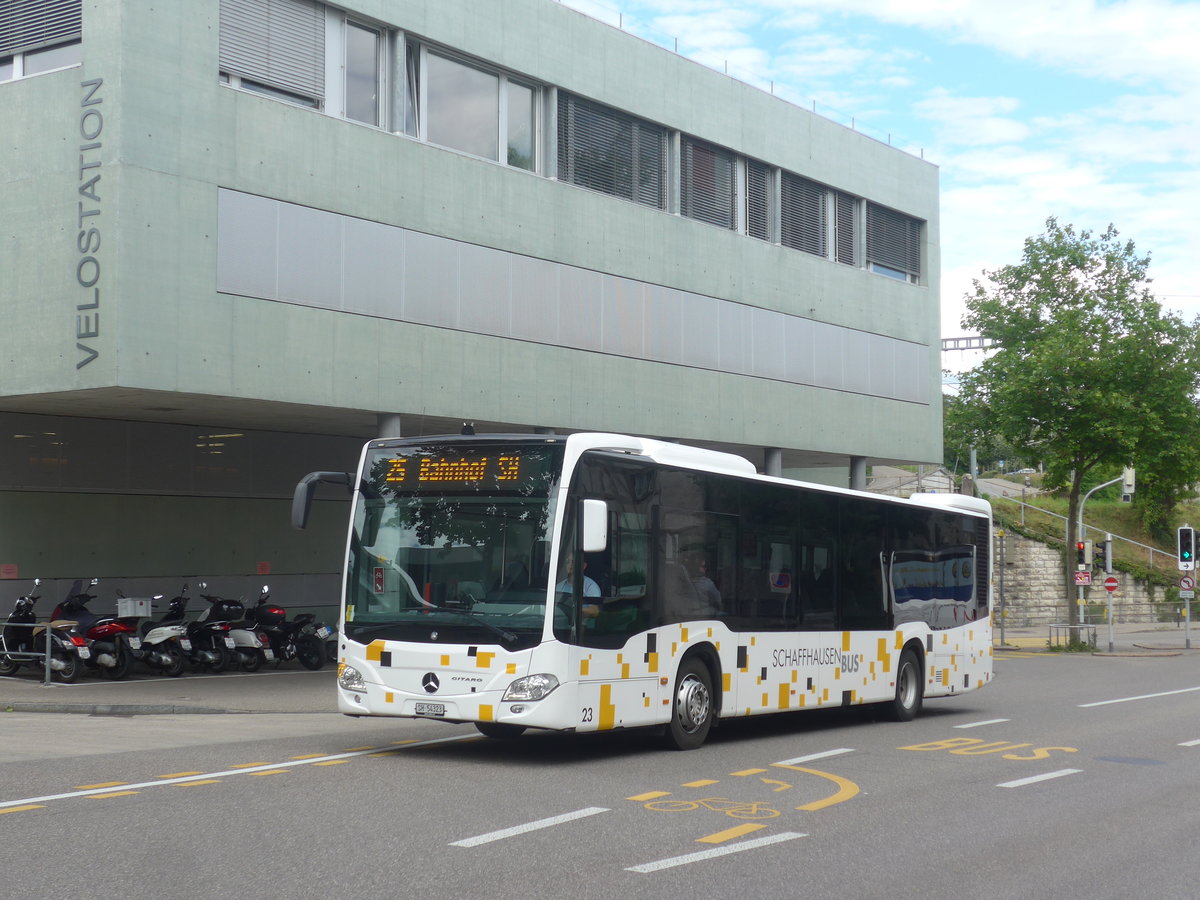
point(1089, 371)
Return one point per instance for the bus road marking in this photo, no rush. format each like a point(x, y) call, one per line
point(528, 827)
point(1034, 779)
point(984, 722)
point(847, 789)
point(1139, 697)
point(812, 756)
point(700, 856)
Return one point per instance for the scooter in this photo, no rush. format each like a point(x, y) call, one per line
point(165, 644)
point(302, 638)
point(23, 643)
point(212, 648)
point(112, 640)
point(252, 646)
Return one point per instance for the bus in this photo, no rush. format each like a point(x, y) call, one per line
point(594, 582)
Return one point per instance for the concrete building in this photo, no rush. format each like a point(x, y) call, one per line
point(240, 237)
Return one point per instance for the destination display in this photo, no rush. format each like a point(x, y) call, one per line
point(431, 469)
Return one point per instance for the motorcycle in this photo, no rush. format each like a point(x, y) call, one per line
point(212, 647)
point(23, 642)
point(112, 640)
point(302, 638)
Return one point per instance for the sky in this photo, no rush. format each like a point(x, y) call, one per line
point(1084, 110)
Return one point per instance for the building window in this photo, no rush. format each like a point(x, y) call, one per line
point(759, 191)
point(521, 117)
point(707, 183)
point(846, 229)
point(893, 243)
point(462, 107)
point(275, 47)
point(803, 215)
point(363, 73)
point(39, 36)
point(610, 151)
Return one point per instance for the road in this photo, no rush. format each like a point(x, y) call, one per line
point(1069, 775)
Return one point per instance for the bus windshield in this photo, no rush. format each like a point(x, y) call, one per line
point(451, 544)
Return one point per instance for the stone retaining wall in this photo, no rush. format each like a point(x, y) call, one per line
point(1033, 590)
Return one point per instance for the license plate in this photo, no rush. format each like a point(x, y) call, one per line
point(324, 631)
point(269, 654)
point(83, 653)
point(230, 643)
point(135, 643)
point(430, 709)
point(185, 643)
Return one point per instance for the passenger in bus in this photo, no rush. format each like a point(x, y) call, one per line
point(706, 588)
point(590, 588)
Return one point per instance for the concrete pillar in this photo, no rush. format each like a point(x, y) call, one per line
point(773, 459)
point(387, 425)
point(858, 473)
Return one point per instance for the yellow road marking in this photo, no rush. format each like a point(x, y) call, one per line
point(111, 794)
point(729, 834)
point(846, 788)
point(749, 772)
point(308, 756)
point(332, 762)
point(249, 765)
point(704, 782)
point(179, 775)
point(357, 749)
point(203, 781)
point(652, 795)
point(269, 772)
point(102, 784)
point(22, 808)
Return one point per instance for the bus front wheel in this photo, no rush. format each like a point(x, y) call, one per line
point(909, 688)
point(692, 709)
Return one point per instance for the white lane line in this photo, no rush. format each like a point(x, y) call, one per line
point(248, 771)
point(984, 722)
point(1190, 744)
point(1021, 782)
point(529, 826)
point(716, 851)
point(813, 756)
point(1140, 697)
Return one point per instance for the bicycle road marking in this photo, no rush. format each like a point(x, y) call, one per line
point(1139, 697)
point(700, 856)
point(516, 830)
point(212, 777)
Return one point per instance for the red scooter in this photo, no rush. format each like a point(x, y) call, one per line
point(113, 641)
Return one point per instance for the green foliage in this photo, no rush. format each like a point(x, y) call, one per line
point(1089, 372)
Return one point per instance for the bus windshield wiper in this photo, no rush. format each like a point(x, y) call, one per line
point(505, 636)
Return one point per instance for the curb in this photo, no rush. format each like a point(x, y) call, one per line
point(113, 709)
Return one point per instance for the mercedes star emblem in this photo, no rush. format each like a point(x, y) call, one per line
point(430, 683)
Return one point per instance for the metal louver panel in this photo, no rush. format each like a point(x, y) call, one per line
point(279, 43)
point(608, 151)
point(758, 200)
point(802, 215)
point(983, 562)
point(893, 239)
point(708, 191)
point(32, 24)
point(846, 228)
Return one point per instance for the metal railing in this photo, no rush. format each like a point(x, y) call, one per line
point(31, 654)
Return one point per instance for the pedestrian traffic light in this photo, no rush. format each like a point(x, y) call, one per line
point(1187, 548)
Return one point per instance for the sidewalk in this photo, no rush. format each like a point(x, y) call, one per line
point(269, 691)
point(1136, 639)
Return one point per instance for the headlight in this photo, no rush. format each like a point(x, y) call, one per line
point(531, 687)
point(350, 679)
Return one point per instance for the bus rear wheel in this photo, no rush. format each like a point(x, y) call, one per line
point(692, 710)
point(909, 688)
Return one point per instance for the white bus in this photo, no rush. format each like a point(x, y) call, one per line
point(600, 581)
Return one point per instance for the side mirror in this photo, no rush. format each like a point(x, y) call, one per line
point(302, 496)
point(594, 527)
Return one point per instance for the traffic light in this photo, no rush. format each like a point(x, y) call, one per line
point(1084, 553)
point(1104, 555)
point(1079, 548)
point(1187, 548)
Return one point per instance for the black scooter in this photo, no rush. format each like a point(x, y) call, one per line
point(302, 638)
point(23, 643)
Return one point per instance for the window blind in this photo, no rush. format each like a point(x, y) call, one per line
point(279, 43)
point(845, 232)
point(609, 151)
point(33, 24)
point(708, 189)
point(802, 215)
point(893, 239)
point(758, 200)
